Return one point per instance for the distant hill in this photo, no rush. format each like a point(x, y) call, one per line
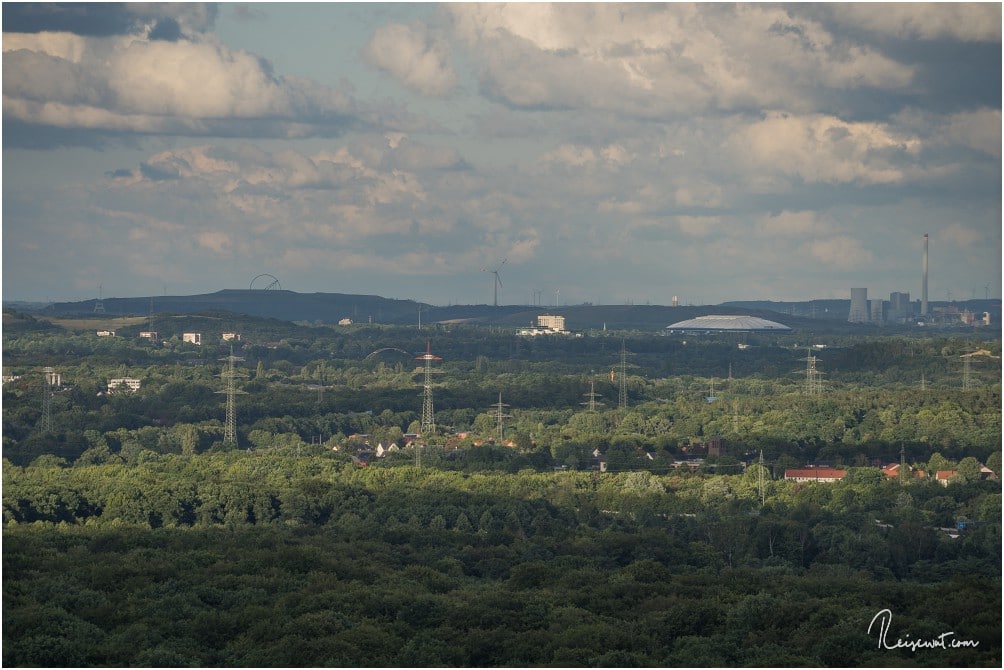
point(330, 308)
point(275, 304)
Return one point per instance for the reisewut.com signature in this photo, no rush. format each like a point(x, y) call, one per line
point(943, 641)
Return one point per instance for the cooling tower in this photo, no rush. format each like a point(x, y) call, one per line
point(877, 314)
point(859, 306)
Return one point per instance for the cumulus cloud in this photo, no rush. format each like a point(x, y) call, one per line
point(650, 60)
point(135, 83)
point(817, 148)
point(414, 57)
point(805, 139)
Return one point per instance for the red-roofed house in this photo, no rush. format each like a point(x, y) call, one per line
point(892, 470)
point(815, 474)
point(942, 476)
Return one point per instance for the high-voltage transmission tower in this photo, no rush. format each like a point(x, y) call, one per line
point(428, 413)
point(622, 386)
point(99, 305)
point(968, 384)
point(51, 380)
point(813, 383)
point(592, 395)
point(229, 375)
point(498, 409)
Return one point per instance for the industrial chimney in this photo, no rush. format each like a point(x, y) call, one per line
point(923, 289)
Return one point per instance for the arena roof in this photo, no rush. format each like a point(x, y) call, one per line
point(728, 323)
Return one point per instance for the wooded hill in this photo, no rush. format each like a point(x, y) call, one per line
point(330, 308)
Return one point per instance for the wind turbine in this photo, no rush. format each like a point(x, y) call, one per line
point(498, 280)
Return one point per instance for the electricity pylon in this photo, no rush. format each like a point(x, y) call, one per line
point(592, 395)
point(813, 384)
point(229, 375)
point(50, 377)
point(428, 414)
point(622, 386)
point(500, 416)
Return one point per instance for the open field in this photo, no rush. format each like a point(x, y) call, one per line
point(96, 323)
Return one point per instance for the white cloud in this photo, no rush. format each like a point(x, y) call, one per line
point(650, 60)
point(217, 242)
point(413, 56)
point(131, 84)
point(817, 148)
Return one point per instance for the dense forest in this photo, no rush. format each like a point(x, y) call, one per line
point(567, 512)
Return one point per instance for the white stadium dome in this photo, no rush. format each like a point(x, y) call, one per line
point(728, 323)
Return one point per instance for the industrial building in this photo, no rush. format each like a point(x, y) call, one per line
point(547, 324)
point(859, 306)
point(727, 323)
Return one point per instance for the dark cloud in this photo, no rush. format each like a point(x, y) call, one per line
point(121, 172)
point(953, 75)
point(92, 19)
point(20, 135)
point(166, 29)
point(158, 172)
point(105, 19)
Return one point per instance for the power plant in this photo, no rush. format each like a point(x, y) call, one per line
point(859, 306)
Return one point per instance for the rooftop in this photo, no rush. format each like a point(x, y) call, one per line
point(730, 322)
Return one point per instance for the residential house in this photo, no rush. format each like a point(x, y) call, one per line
point(942, 476)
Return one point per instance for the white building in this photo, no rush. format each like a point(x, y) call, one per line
point(149, 335)
point(547, 324)
point(194, 338)
point(231, 337)
point(129, 384)
point(106, 333)
point(551, 321)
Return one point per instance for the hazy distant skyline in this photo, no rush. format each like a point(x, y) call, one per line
point(610, 153)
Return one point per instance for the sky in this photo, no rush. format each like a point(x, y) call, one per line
point(582, 153)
